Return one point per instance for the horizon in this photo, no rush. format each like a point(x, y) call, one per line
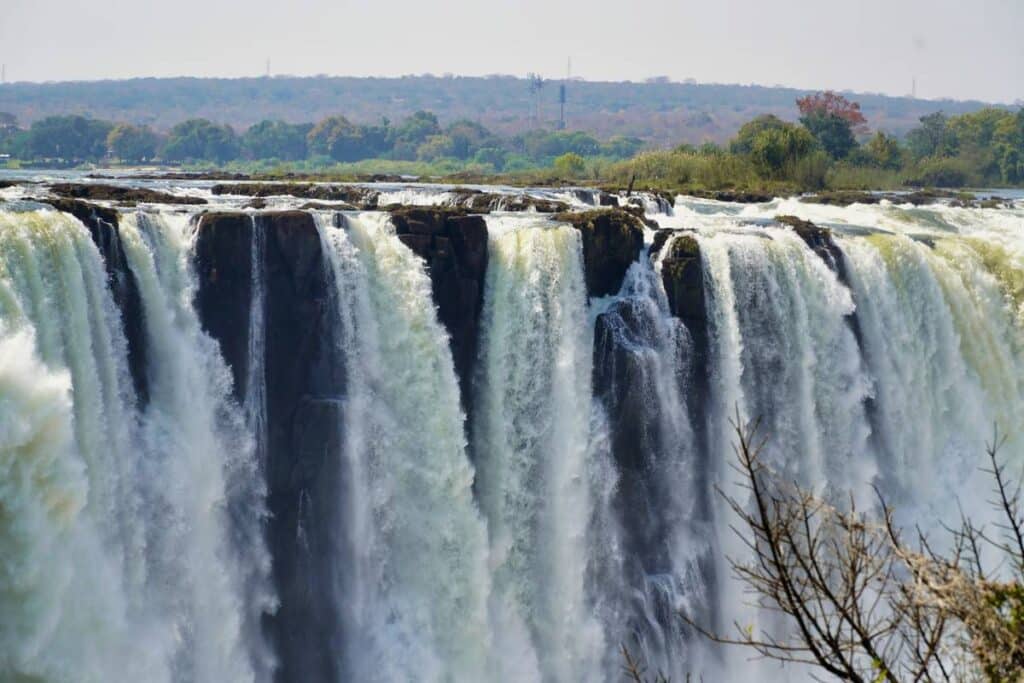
point(877, 46)
point(650, 80)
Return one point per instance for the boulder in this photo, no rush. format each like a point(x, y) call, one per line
point(612, 241)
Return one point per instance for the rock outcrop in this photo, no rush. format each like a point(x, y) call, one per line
point(612, 241)
point(117, 193)
point(304, 395)
point(102, 223)
point(454, 246)
point(355, 195)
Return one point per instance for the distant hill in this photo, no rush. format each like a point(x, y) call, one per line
point(662, 113)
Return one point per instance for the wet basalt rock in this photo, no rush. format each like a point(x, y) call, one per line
point(821, 242)
point(361, 197)
point(453, 243)
point(734, 196)
point(486, 202)
point(612, 241)
point(964, 200)
point(102, 223)
point(304, 390)
point(125, 195)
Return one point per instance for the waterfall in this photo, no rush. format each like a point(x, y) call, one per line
point(142, 493)
point(416, 591)
point(135, 499)
point(531, 442)
point(72, 571)
point(642, 359)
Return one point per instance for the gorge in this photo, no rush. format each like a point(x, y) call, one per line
point(395, 432)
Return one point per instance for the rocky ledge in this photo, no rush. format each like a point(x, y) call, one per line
point(612, 242)
point(354, 195)
point(124, 195)
point(454, 245)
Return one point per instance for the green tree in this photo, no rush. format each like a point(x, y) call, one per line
point(75, 138)
point(436, 147)
point(201, 140)
point(133, 143)
point(884, 151)
point(493, 156)
point(932, 138)
point(773, 145)
point(621, 147)
point(743, 143)
point(570, 165)
point(413, 132)
point(342, 140)
point(1008, 144)
point(276, 140)
point(833, 133)
point(545, 145)
point(467, 137)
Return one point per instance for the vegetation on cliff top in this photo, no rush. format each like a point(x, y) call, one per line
point(830, 148)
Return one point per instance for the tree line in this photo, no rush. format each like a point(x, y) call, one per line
point(419, 137)
point(830, 145)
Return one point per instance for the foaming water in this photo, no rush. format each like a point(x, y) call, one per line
point(147, 584)
point(532, 442)
point(417, 593)
point(582, 515)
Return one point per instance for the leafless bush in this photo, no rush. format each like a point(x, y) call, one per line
point(862, 603)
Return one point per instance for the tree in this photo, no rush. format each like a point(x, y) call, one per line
point(493, 156)
point(201, 140)
point(621, 147)
point(417, 128)
point(829, 103)
point(75, 138)
point(743, 143)
point(133, 143)
point(884, 151)
point(833, 133)
point(276, 140)
point(932, 138)
point(342, 140)
point(569, 165)
point(774, 150)
point(467, 137)
point(1008, 142)
point(866, 606)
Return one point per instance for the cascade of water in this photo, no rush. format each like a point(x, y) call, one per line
point(641, 363)
point(210, 565)
point(783, 352)
point(417, 586)
point(532, 433)
point(72, 572)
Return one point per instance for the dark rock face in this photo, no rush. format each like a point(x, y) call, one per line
point(736, 196)
point(115, 193)
point(622, 381)
point(682, 274)
point(305, 389)
point(923, 197)
point(102, 225)
point(454, 246)
point(353, 194)
point(612, 241)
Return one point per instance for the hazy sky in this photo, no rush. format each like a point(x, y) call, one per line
point(955, 48)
